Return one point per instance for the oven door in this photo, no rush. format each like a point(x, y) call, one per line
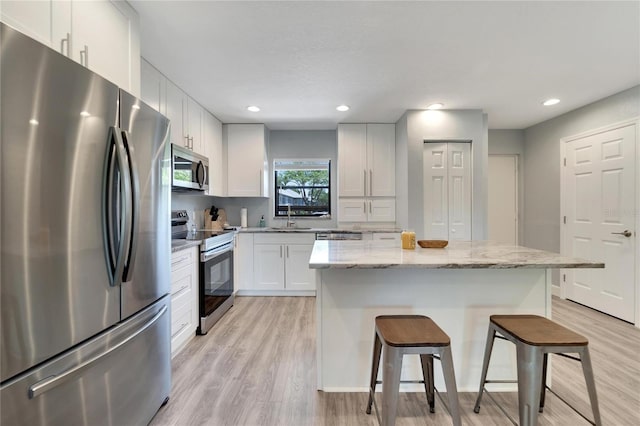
point(216, 284)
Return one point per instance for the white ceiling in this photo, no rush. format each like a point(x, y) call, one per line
point(298, 60)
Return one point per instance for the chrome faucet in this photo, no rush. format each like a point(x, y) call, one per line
point(289, 222)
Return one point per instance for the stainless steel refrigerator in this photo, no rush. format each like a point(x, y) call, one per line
point(85, 237)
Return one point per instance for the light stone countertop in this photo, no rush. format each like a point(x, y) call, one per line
point(314, 230)
point(457, 255)
point(183, 244)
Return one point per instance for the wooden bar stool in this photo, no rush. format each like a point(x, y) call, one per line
point(535, 337)
point(398, 335)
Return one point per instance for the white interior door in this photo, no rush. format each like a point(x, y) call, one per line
point(447, 190)
point(600, 184)
point(503, 198)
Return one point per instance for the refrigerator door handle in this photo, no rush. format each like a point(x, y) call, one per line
point(134, 213)
point(56, 380)
point(116, 255)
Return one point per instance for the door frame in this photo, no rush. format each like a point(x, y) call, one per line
point(517, 188)
point(563, 208)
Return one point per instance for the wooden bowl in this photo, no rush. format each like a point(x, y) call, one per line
point(433, 243)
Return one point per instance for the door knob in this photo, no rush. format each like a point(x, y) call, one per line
point(626, 233)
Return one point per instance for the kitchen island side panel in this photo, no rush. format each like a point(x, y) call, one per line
point(459, 300)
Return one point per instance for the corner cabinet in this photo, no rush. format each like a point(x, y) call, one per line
point(184, 297)
point(247, 164)
point(79, 29)
point(366, 173)
point(281, 265)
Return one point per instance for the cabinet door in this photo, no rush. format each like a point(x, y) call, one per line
point(245, 160)
point(382, 210)
point(194, 118)
point(268, 266)
point(390, 238)
point(212, 138)
point(298, 275)
point(381, 160)
point(352, 210)
point(37, 19)
point(175, 107)
point(243, 261)
point(153, 87)
point(101, 40)
point(352, 156)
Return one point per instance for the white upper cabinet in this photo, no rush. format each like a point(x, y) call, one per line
point(212, 134)
point(381, 160)
point(366, 160)
point(247, 168)
point(193, 119)
point(186, 117)
point(153, 87)
point(101, 35)
point(352, 159)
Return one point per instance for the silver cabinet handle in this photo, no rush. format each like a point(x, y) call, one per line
point(175, 262)
point(186, 142)
point(63, 42)
point(191, 141)
point(370, 207)
point(84, 54)
point(57, 379)
point(280, 251)
point(626, 233)
point(364, 206)
point(365, 181)
point(261, 187)
point(287, 252)
point(370, 182)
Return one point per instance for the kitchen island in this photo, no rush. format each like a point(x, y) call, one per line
point(459, 287)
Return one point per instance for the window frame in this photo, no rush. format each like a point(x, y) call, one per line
point(277, 207)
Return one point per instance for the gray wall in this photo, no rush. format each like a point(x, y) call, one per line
point(309, 144)
point(441, 124)
point(512, 142)
point(542, 162)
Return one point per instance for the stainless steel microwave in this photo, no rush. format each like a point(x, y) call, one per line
point(189, 171)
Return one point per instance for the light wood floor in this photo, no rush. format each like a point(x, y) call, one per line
point(257, 367)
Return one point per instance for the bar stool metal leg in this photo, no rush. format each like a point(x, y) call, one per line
point(377, 349)
point(390, 383)
point(587, 370)
point(450, 382)
point(491, 335)
point(426, 361)
point(529, 378)
point(543, 386)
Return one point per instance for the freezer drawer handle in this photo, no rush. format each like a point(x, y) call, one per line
point(56, 380)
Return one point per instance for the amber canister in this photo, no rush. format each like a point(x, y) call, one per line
point(408, 239)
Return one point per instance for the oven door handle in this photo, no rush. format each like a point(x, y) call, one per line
point(207, 256)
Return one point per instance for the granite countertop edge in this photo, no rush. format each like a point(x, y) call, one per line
point(188, 244)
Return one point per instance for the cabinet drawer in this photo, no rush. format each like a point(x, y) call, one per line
point(181, 279)
point(185, 297)
point(182, 258)
point(180, 320)
point(284, 238)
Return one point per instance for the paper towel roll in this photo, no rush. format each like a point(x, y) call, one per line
point(243, 217)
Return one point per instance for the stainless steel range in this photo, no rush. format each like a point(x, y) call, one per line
point(215, 295)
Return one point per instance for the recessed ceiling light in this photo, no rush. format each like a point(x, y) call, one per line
point(550, 102)
point(85, 114)
point(33, 122)
point(436, 106)
point(342, 108)
point(253, 108)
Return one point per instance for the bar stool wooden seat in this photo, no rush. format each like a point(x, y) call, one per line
point(398, 335)
point(535, 337)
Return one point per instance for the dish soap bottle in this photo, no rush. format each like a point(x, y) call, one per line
point(262, 223)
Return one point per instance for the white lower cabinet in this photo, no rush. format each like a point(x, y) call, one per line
point(184, 297)
point(367, 209)
point(281, 264)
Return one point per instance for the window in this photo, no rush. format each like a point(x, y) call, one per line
point(302, 186)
